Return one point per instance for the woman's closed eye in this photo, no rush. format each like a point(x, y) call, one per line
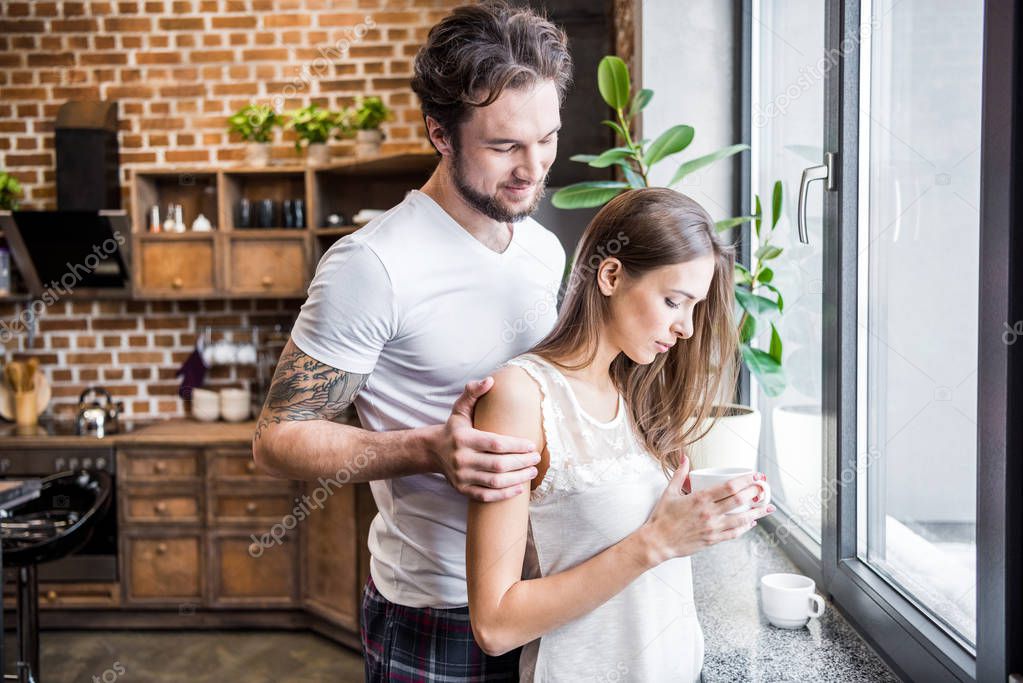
point(672, 304)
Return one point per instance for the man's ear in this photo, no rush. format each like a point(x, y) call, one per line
point(439, 137)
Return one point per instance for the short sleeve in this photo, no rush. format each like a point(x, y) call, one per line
point(350, 313)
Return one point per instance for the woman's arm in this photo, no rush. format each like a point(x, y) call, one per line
point(506, 611)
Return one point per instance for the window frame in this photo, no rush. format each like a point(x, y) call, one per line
point(914, 645)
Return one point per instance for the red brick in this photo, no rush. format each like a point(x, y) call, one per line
point(285, 20)
point(185, 156)
point(233, 22)
point(90, 358)
point(102, 58)
point(276, 55)
point(136, 24)
point(181, 24)
point(115, 323)
point(51, 59)
point(209, 56)
point(140, 357)
point(8, 26)
point(74, 25)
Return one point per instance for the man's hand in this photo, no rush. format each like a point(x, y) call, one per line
point(477, 463)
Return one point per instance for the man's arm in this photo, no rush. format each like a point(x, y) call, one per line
point(296, 438)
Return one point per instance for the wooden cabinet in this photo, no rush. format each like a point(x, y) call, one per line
point(255, 249)
point(176, 266)
point(253, 573)
point(267, 263)
point(162, 567)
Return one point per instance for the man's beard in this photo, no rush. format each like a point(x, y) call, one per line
point(489, 205)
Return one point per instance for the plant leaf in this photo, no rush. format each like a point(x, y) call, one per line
point(671, 141)
point(776, 204)
point(634, 179)
point(754, 304)
point(640, 100)
point(775, 349)
point(610, 157)
point(748, 329)
point(588, 194)
point(613, 81)
point(759, 215)
point(767, 370)
point(584, 158)
point(616, 128)
point(766, 252)
point(742, 274)
point(729, 223)
point(706, 160)
point(781, 301)
point(765, 275)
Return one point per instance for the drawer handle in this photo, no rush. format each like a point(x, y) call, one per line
point(160, 467)
point(250, 467)
point(267, 281)
point(255, 550)
point(177, 283)
point(161, 508)
point(250, 508)
point(51, 595)
point(161, 548)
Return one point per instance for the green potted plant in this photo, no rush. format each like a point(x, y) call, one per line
point(314, 125)
point(10, 190)
point(255, 124)
point(365, 119)
point(734, 439)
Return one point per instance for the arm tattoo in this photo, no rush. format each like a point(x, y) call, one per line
point(306, 389)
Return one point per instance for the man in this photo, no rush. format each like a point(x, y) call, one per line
point(437, 292)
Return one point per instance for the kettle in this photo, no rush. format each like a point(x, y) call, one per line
point(95, 418)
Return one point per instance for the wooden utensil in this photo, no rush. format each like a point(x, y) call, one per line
point(30, 374)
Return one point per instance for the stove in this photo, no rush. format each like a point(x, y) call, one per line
point(27, 452)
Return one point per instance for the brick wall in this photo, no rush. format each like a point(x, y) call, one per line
point(134, 348)
point(178, 69)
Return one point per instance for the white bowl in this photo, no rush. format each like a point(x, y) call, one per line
point(205, 405)
point(235, 404)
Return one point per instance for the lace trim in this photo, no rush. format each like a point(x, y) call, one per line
point(564, 476)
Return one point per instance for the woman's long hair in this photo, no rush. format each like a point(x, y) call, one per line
point(672, 399)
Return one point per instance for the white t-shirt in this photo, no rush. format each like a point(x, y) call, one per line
point(425, 307)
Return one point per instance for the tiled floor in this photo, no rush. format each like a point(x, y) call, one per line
point(213, 656)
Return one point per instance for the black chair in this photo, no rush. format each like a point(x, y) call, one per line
point(54, 525)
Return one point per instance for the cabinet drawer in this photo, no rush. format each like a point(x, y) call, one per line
point(160, 464)
point(71, 595)
point(146, 507)
point(267, 265)
point(267, 507)
point(177, 266)
point(245, 572)
point(163, 568)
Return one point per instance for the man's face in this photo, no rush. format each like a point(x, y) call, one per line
point(503, 151)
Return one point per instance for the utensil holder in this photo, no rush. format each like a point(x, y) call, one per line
point(25, 408)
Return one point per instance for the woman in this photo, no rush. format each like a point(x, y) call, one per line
point(590, 570)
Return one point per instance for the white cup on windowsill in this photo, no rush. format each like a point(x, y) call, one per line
point(789, 600)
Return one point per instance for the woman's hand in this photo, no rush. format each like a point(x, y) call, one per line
point(682, 524)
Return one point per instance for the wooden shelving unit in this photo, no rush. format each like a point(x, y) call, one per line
point(232, 261)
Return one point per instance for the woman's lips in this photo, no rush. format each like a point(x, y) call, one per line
point(662, 347)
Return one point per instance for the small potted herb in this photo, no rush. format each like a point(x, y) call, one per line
point(366, 117)
point(314, 125)
point(10, 190)
point(255, 124)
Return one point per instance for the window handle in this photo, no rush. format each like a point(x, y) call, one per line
point(825, 171)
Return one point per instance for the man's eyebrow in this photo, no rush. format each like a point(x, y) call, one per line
point(684, 293)
point(509, 141)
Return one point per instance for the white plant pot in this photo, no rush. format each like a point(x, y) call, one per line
point(317, 154)
point(367, 142)
point(733, 441)
point(797, 451)
point(257, 154)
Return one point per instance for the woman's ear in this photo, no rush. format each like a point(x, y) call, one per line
point(609, 275)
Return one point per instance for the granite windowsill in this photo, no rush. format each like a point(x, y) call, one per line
point(740, 645)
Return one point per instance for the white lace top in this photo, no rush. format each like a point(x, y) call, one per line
point(600, 486)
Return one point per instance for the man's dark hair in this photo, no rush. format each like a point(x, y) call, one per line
point(477, 51)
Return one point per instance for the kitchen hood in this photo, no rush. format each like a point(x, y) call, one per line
point(83, 248)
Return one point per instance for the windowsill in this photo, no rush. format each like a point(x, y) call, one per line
point(739, 642)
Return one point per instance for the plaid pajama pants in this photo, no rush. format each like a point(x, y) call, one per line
point(425, 645)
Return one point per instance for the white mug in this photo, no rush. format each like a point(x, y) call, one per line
point(710, 477)
point(789, 600)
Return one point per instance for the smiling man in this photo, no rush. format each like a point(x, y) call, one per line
point(404, 317)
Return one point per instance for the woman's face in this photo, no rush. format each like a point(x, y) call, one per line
point(650, 313)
